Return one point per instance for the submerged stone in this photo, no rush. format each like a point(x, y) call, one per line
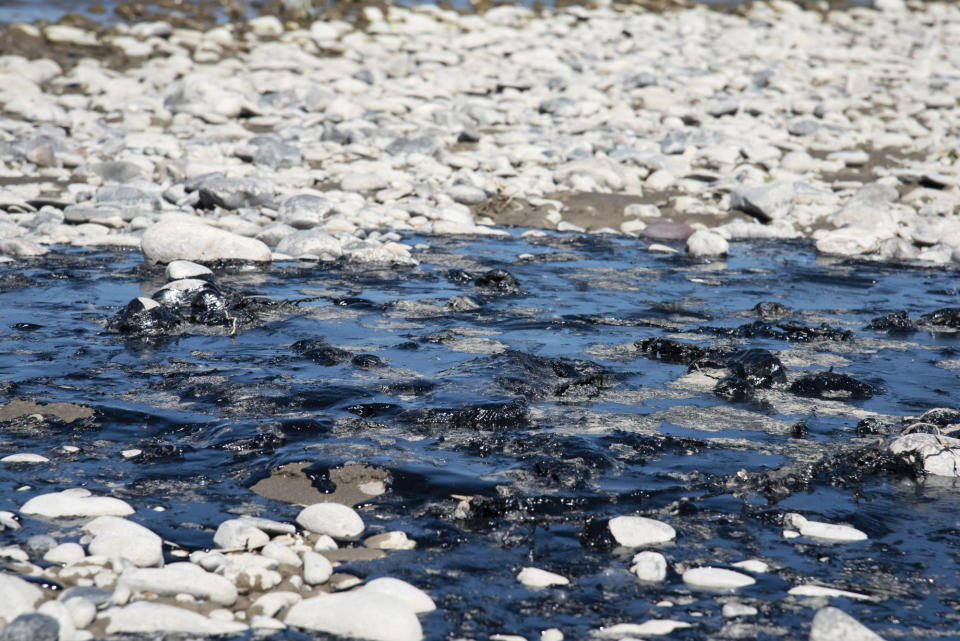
point(946, 317)
point(832, 385)
point(499, 280)
point(734, 389)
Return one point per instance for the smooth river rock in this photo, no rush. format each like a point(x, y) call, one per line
point(537, 578)
point(117, 538)
point(332, 519)
point(357, 615)
point(824, 531)
point(179, 578)
point(168, 241)
point(716, 579)
point(833, 624)
point(638, 531)
point(144, 618)
point(19, 596)
point(75, 502)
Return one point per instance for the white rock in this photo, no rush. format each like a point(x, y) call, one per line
point(333, 519)
point(638, 531)
point(940, 455)
point(415, 598)
point(312, 242)
point(180, 269)
point(833, 624)
point(704, 242)
point(195, 241)
point(324, 543)
point(145, 617)
point(823, 591)
point(62, 614)
point(752, 565)
point(239, 534)
point(537, 578)
point(649, 566)
point(82, 611)
point(357, 615)
point(716, 579)
point(19, 596)
point(177, 578)
point(731, 610)
point(551, 634)
point(75, 502)
point(281, 553)
point(24, 457)
point(65, 553)
point(395, 540)
point(271, 603)
point(632, 630)
point(825, 531)
point(118, 538)
point(316, 568)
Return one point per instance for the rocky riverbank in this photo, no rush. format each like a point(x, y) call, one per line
point(330, 141)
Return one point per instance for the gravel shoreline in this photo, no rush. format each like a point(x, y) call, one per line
point(329, 142)
point(690, 130)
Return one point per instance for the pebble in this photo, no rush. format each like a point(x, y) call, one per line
point(833, 624)
point(180, 578)
point(655, 627)
point(19, 596)
point(195, 241)
point(709, 578)
point(705, 243)
point(65, 553)
point(823, 591)
point(734, 609)
point(333, 519)
point(358, 615)
point(144, 617)
point(316, 568)
point(395, 540)
point(415, 598)
point(239, 534)
point(25, 457)
point(32, 626)
point(537, 578)
point(75, 502)
point(117, 538)
point(824, 531)
point(649, 566)
point(639, 531)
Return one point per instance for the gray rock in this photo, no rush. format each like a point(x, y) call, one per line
point(118, 171)
point(675, 142)
point(145, 617)
point(180, 577)
point(75, 502)
point(234, 193)
point(239, 534)
point(118, 538)
point(803, 126)
point(32, 626)
point(275, 153)
point(833, 624)
point(305, 211)
point(39, 545)
point(98, 596)
point(311, 242)
point(705, 243)
point(767, 202)
point(179, 239)
point(423, 144)
point(19, 596)
point(357, 615)
point(333, 519)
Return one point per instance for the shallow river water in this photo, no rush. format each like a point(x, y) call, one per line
point(511, 421)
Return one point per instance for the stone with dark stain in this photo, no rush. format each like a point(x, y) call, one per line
point(498, 280)
point(760, 367)
point(487, 417)
point(144, 317)
point(832, 385)
point(734, 389)
point(898, 322)
point(946, 317)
